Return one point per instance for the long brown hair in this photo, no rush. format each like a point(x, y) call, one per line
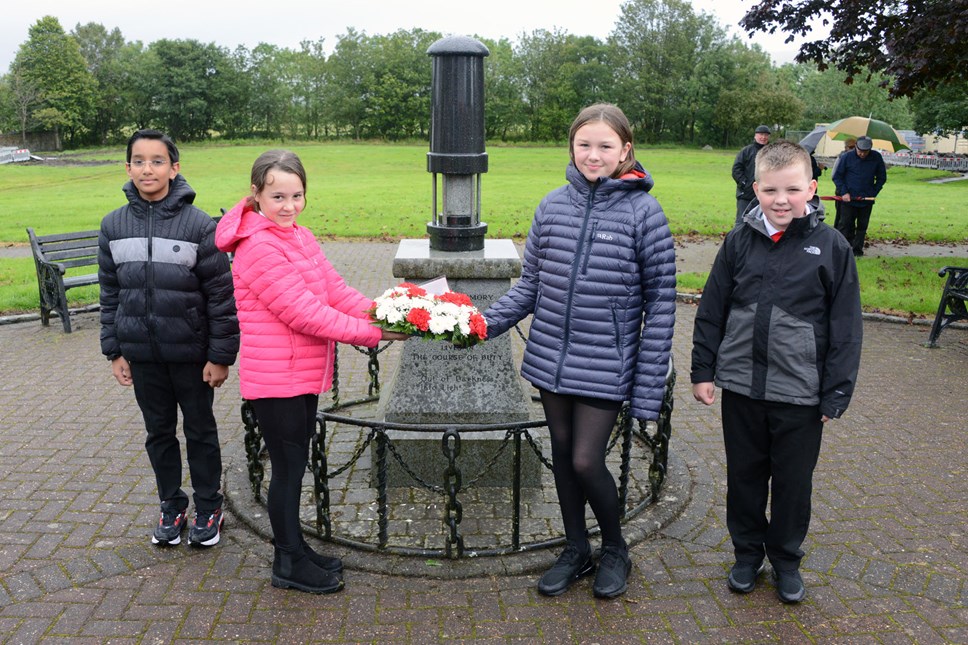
point(281, 160)
point(614, 118)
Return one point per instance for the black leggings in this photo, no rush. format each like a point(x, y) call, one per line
point(580, 428)
point(287, 426)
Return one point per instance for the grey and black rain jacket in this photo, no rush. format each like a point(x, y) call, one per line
point(781, 321)
point(599, 275)
point(166, 291)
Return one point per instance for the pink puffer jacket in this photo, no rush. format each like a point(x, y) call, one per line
point(293, 306)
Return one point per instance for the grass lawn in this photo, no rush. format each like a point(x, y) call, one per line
point(384, 191)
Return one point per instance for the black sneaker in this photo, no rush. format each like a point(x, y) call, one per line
point(789, 586)
point(572, 564)
point(743, 575)
point(613, 572)
point(206, 528)
point(170, 525)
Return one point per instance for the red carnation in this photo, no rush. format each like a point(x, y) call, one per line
point(419, 318)
point(478, 325)
point(456, 298)
point(413, 290)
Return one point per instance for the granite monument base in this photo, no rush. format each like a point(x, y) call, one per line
point(437, 383)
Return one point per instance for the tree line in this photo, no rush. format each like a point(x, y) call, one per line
point(678, 75)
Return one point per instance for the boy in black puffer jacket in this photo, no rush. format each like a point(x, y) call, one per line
point(169, 328)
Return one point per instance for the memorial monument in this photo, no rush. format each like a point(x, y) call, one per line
point(437, 383)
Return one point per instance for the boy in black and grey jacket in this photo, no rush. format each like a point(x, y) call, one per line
point(779, 329)
point(169, 328)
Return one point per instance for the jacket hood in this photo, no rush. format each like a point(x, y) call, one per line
point(636, 179)
point(801, 225)
point(239, 223)
point(179, 194)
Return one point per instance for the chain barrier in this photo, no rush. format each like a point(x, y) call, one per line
point(450, 446)
point(453, 483)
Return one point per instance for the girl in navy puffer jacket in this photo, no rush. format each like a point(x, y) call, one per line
point(599, 278)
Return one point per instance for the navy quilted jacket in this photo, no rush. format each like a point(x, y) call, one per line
point(599, 276)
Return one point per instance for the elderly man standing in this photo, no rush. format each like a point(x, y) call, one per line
point(858, 178)
point(744, 170)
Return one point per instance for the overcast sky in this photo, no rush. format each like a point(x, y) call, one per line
point(243, 22)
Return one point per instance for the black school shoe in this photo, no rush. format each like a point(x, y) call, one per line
point(572, 564)
point(789, 586)
point(613, 572)
point(743, 575)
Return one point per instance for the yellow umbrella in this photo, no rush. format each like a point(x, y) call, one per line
point(884, 136)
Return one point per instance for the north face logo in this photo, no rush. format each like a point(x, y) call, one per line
point(812, 250)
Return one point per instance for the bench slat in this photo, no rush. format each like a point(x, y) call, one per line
point(64, 237)
point(77, 262)
point(73, 254)
point(80, 280)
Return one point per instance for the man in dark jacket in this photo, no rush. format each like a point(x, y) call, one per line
point(859, 177)
point(744, 169)
point(169, 328)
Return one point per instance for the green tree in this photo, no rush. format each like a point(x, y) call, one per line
point(504, 107)
point(561, 74)
point(943, 110)
point(103, 52)
point(659, 44)
point(190, 87)
point(51, 61)
point(311, 87)
point(399, 105)
point(350, 79)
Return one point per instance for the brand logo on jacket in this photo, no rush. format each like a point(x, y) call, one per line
point(604, 236)
point(812, 250)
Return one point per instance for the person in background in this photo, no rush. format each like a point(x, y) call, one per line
point(293, 308)
point(779, 329)
point(848, 148)
point(169, 328)
point(599, 277)
point(744, 168)
point(859, 178)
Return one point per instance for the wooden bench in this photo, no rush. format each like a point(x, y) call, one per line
point(54, 255)
point(953, 299)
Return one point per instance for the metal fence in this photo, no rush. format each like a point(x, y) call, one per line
point(650, 438)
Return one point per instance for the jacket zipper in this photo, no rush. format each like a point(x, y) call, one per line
point(571, 282)
point(149, 281)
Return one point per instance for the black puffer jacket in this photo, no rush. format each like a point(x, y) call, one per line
point(166, 291)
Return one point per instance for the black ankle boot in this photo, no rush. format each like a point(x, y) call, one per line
point(324, 562)
point(296, 571)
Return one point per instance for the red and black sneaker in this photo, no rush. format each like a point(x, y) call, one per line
point(206, 528)
point(170, 525)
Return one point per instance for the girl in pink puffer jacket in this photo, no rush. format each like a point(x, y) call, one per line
point(293, 307)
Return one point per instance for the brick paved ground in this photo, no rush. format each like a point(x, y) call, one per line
point(887, 552)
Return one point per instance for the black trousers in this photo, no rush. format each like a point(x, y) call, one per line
point(741, 206)
point(287, 425)
point(161, 389)
point(853, 224)
point(771, 452)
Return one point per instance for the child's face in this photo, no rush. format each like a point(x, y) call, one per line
point(282, 198)
point(784, 193)
point(151, 168)
point(598, 150)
